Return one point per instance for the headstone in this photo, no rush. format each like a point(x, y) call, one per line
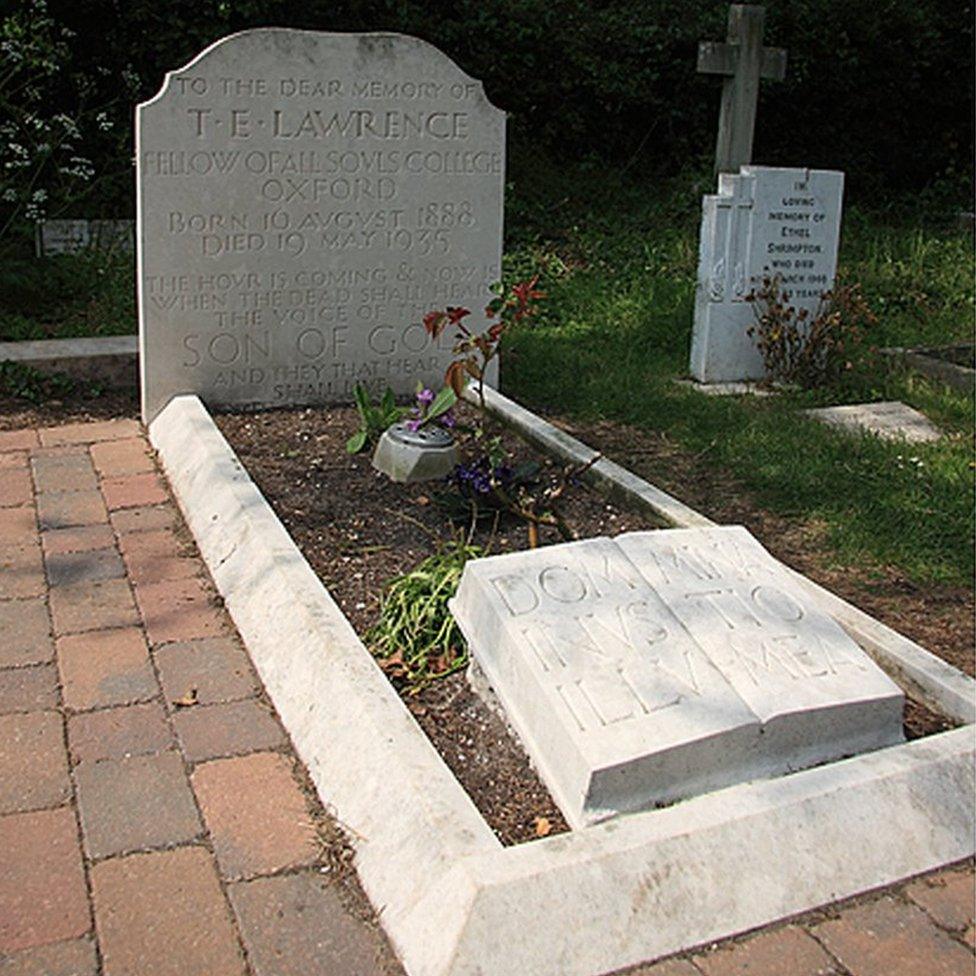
point(742, 61)
point(304, 199)
point(890, 420)
point(54, 237)
point(660, 665)
point(764, 220)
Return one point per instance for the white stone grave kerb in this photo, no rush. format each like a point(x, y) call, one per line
point(666, 664)
point(452, 900)
point(303, 199)
point(764, 220)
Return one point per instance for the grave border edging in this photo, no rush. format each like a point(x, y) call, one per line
point(451, 899)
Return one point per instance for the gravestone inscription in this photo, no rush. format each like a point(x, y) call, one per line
point(665, 664)
point(303, 199)
point(75, 236)
point(780, 222)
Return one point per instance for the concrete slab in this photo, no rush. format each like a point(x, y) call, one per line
point(891, 420)
point(112, 360)
point(726, 389)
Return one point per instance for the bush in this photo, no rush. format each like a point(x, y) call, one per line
point(810, 350)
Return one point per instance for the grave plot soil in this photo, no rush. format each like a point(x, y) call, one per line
point(358, 530)
point(16, 413)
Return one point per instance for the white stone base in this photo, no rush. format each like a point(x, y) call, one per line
point(890, 420)
point(452, 900)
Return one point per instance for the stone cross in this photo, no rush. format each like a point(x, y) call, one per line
point(743, 60)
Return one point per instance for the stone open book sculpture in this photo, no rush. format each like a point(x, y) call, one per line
point(660, 665)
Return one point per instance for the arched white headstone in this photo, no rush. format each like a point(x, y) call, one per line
point(303, 199)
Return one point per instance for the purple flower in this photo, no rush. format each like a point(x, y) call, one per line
point(425, 397)
point(447, 419)
point(413, 425)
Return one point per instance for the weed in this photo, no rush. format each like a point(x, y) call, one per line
point(416, 638)
point(373, 420)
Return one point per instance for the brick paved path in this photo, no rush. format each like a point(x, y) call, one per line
point(153, 818)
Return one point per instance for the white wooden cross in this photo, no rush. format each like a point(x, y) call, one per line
point(743, 60)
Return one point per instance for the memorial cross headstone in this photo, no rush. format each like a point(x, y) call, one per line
point(303, 199)
point(660, 665)
point(743, 61)
point(780, 222)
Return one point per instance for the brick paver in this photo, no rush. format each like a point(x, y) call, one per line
point(201, 849)
point(669, 967)
point(21, 572)
point(28, 689)
point(114, 459)
point(105, 667)
point(164, 914)
point(15, 487)
point(155, 556)
point(256, 815)
point(18, 526)
point(289, 928)
point(115, 733)
point(33, 770)
point(26, 632)
point(230, 729)
point(66, 509)
point(135, 804)
point(785, 950)
point(179, 610)
point(79, 539)
point(106, 430)
point(13, 459)
point(889, 936)
point(205, 671)
point(13, 440)
point(75, 957)
point(143, 519)
point(133, 491)
point(92, 606)
point(949, 898)
point(42, 881)
point(64, 472)
point(65, 569)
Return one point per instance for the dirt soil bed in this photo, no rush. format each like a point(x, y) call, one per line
point(358, 530)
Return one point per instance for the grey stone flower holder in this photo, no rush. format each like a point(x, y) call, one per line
point(415, 455)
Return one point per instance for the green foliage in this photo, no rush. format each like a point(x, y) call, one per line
point(614, 334)
point(57, 117)
point(597, 82)
point(416, 637)
point(26, 383)
point(86, 294)
point(373, 420)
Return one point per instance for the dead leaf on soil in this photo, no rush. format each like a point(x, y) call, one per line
point(542, 826)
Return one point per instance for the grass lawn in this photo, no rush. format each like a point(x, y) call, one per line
point(619, 262)
point(618, 259)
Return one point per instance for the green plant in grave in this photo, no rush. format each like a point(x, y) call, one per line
point(416, 638)
point(373, 420)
